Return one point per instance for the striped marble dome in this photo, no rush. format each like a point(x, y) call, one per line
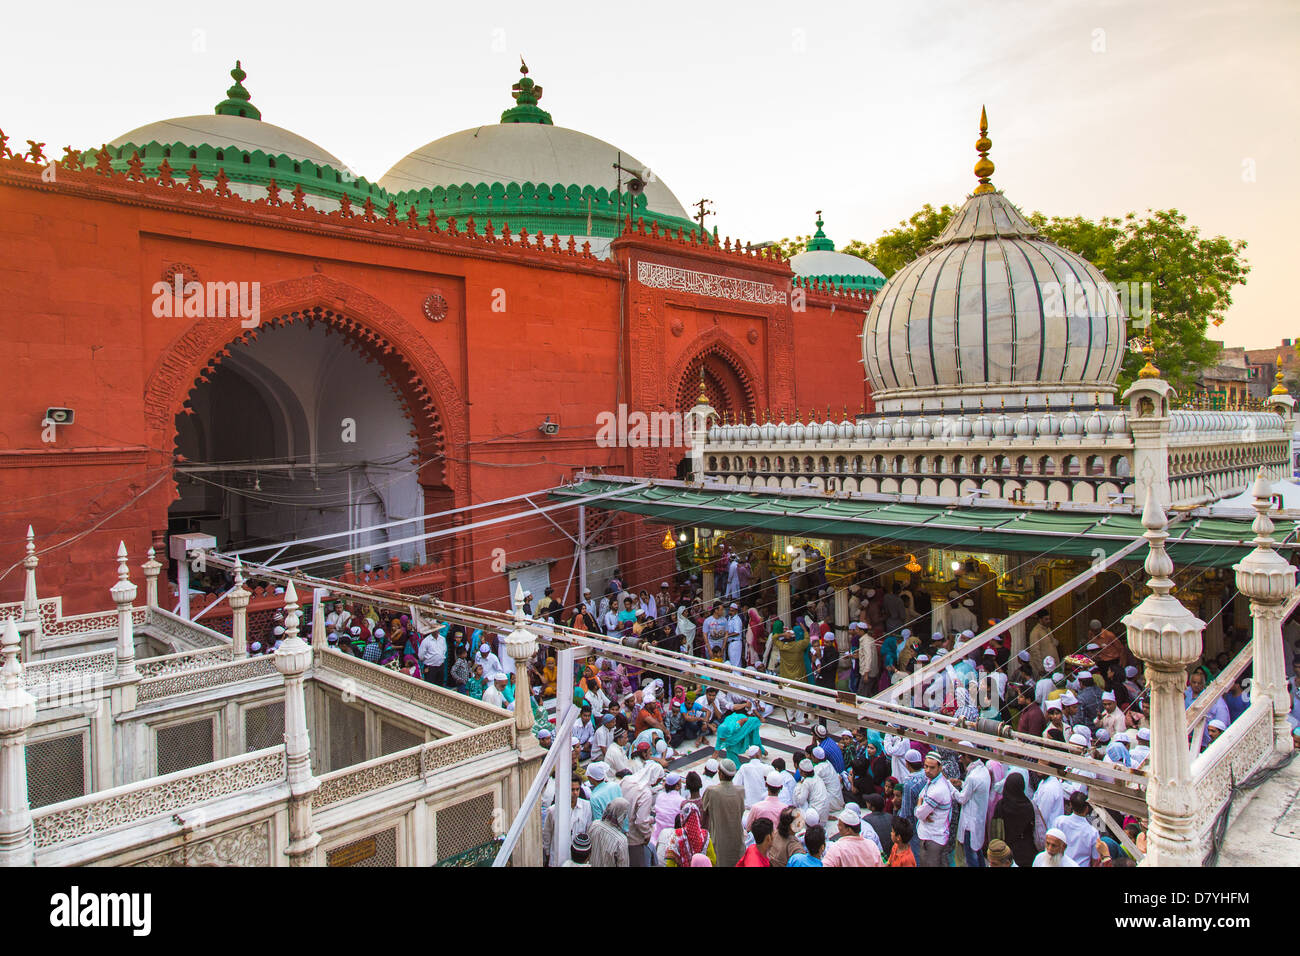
point(993, 309)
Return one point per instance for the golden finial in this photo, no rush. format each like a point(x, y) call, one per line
point(704, 399)
point(1279, 388)
point(1149, 370)
point(984, 165)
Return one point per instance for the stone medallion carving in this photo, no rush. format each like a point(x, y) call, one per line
point(186, 271)
point(752, 335)
point(678, 327)
point(435, 307)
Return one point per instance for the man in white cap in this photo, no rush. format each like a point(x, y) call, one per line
point(1142, 749)
point(1218, 710)
point(1048, 683)
point(1111, 717)
point(752, 775)
point(494, 693)
point(491, 663)
point(709, 776)
point(830, 779)
point(962, 617)
point(735, 636)
point(603, 789)
point(851, 849)
point(933, 812)
point(1213, 729)
point(1042, 644)
point(733, 578)
point(896, 748)
point(810, 792)
point(1054, 853)
point(1055, 720)
point(771, 805)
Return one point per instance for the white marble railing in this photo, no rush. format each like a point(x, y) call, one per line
point(462, 708)
point(185, 632)
point(72, 666)
point(412, 764)
point(1237, 753)
point(184, 661)
point(124, 806)
point(215, 675)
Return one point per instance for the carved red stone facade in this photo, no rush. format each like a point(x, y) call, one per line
point(576, 337)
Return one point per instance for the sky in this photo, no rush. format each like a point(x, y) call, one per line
point(770, 110)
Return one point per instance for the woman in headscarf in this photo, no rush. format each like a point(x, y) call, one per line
point(549, 676)
point(685, 629)
point(689, 838)
point(757, 639)
point(785, 843)
point(1017, 816)
point(878, 766)
point(608, 835)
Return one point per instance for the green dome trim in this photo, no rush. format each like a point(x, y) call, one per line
point(856, 283)
point(819, 242)
point(526, 93)
point(576, 210)
point(537, 207)
point(237, 101)
point(242, 166)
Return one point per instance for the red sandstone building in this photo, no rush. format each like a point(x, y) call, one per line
point(411, 338)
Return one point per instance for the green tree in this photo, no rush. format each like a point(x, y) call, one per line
point(905, 242)
point(792, 247)
point(1191, 281)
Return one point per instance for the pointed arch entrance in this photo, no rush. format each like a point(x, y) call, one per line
point(345, 403)
point(729, 384)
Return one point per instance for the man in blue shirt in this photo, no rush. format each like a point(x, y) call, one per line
point(814, 840)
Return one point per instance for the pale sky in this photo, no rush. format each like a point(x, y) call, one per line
point(771, 110)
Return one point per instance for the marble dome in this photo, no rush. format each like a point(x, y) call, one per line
point(993, 309)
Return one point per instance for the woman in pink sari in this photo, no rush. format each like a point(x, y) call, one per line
point(757, 639)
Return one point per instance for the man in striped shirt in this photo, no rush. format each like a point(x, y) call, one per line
point(933, 813)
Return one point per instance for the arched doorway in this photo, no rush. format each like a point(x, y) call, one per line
point(300, 431)
point(727, 385)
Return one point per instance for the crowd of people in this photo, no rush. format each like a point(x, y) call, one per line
point(852, 798)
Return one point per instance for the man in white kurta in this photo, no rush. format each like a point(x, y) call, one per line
point(974, 800)
point(1049, 803)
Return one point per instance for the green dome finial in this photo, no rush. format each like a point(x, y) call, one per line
point(526, 94)
point(237, 101)
point(819, 242)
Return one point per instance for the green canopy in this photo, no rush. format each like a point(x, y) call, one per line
point(1193, 541)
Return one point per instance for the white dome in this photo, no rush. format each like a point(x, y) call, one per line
point(223, 132)
point(993, 307)
point(821, 262)
point(519, 153)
